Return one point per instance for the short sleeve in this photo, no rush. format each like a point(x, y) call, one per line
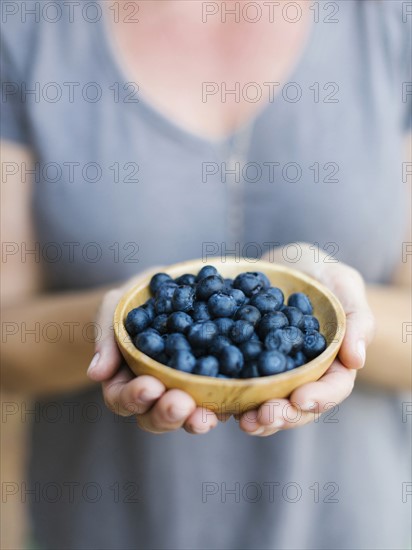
point(13, 120)
point(403, 30)
point(407, 82)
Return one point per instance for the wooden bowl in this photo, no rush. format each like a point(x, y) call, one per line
point(238, 395)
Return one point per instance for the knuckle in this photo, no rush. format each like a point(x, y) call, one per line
point(110, 404)
point(163, 419)
point(148, 426)
point(114, 403)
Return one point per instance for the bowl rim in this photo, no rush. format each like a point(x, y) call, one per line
point(125, 342)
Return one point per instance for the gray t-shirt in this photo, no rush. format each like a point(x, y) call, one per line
point(120, 188)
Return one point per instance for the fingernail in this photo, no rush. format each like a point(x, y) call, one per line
point(309, 406)
point(93, 362)
point(362, 351)
point(259, 431)
point(202, 430)
point(177, 413)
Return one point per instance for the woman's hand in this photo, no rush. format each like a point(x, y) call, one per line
point(337, 383)
point(157, 410)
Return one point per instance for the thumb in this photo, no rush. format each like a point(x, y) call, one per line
point(107, 357)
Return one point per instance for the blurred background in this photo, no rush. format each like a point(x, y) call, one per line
point(124, 147)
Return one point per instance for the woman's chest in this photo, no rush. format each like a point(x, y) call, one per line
point(209, 72)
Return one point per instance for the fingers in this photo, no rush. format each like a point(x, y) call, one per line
point(249, 422)
point(169, 413)
point(272, 416)
point(349, 287)
point(304, 405)
point(334, 386)
point(201, 421)
point(360, 329)
point(125, 394)
point(107, 358)
point(157, 410)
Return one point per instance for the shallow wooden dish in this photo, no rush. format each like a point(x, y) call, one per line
point(234, 396)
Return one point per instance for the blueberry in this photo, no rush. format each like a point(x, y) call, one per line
point(265, 302)
point(153, 330)
point(278, 340)
point(290, 363)
point(271, 321)
point(299, 359)
point(241, 331)
point(160, 323)
point(221, 305)
point(166, 290)
point(231, 360)
point(313, 344)
point(302, 302)
point(207, 366)
point(186, 279)
point(248, 313)
point(277, 293)
point(271, 362)
point(263, 279)
point(163, 305)
point(149, 343)
point(250, 371)
point(224, 324)
point(218, 343)
point(136, 321)
point(149, 308)
point(162, 358)
point(310, 323)
point(199, 352)
point(178, 321)
point(183, 298)
point(208, 286)
point(158, 280)
point(295, 336)
point(183, 360)
point(251, 349)
point(200, 312)
point(253, 332)
point(238, 295)
point(206, 271)
point(201, 333)
point(228, 284)
point(248, 283)
point(294, 315)
point(174, 342)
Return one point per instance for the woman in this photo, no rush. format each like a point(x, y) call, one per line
point(142, 113)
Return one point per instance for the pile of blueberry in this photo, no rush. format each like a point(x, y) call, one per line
point(226, 328)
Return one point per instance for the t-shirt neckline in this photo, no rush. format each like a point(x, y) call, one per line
point(113, 62)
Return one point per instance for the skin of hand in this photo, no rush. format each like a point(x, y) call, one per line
point(159, 410)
